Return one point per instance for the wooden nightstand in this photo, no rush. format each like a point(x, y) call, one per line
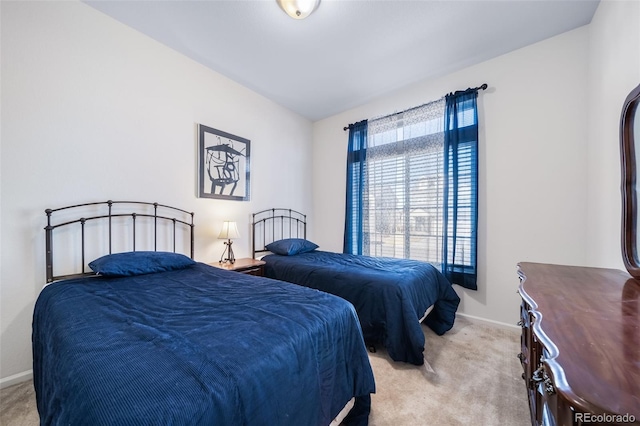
point(244, 266)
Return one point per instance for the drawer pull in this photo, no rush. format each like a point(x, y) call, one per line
point(540, 377)
point(520, 323)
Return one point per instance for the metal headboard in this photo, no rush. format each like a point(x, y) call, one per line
point(276, 224)
point(161, 214)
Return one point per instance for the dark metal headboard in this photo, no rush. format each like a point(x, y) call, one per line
point(177, 218)
point(276, 224)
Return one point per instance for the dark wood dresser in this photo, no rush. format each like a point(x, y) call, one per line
point(580, 344)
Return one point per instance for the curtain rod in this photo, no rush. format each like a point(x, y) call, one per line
point(481, 87)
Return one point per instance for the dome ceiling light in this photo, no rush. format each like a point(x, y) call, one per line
point(298, 9)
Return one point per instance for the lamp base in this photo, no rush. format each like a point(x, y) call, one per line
point(230, 257)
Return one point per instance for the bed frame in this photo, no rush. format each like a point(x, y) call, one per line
point(104, 211)
point(276, 224)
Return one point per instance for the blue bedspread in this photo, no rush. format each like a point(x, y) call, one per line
point(198, 346)
point(390, 295)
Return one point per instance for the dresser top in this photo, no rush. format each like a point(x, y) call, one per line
point(588, 319)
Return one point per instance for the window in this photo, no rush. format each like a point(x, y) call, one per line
point(403, 185)
point(410, 200)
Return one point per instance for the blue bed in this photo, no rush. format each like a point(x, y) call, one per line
point(159, 339)
point(195, 346)
point(389, 295)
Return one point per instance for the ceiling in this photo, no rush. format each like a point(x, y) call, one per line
point(348, 52)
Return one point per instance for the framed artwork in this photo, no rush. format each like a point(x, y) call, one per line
point(223, 165)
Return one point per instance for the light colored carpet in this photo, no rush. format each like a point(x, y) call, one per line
point(18, 405)
point(476, 379)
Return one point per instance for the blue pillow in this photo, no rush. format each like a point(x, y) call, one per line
point(138, 263)
point(291, 246)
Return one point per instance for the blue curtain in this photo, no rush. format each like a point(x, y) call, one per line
point(356, 155)
point(460, 189)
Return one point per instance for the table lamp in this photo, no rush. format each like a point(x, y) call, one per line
point(229, 231)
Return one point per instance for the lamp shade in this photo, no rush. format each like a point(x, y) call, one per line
point(229, 230)
point(298, 9)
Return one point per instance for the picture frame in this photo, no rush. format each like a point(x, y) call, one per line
point(223, 165)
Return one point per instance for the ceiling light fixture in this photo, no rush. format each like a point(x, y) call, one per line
point(298, 9)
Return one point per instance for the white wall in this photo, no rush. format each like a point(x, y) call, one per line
point(549, 153)
point(532, 164)
point(93, 110)
point(614, 70)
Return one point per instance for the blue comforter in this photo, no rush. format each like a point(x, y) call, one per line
point(390, 295)
point(197, 346)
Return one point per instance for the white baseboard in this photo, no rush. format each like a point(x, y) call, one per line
point(5, 382)
point(497, 323)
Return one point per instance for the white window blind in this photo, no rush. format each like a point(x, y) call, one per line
point(404, 185)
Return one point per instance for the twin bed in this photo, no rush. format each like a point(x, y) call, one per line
point(391, 296)
point(157, 338)
point(153, 337)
